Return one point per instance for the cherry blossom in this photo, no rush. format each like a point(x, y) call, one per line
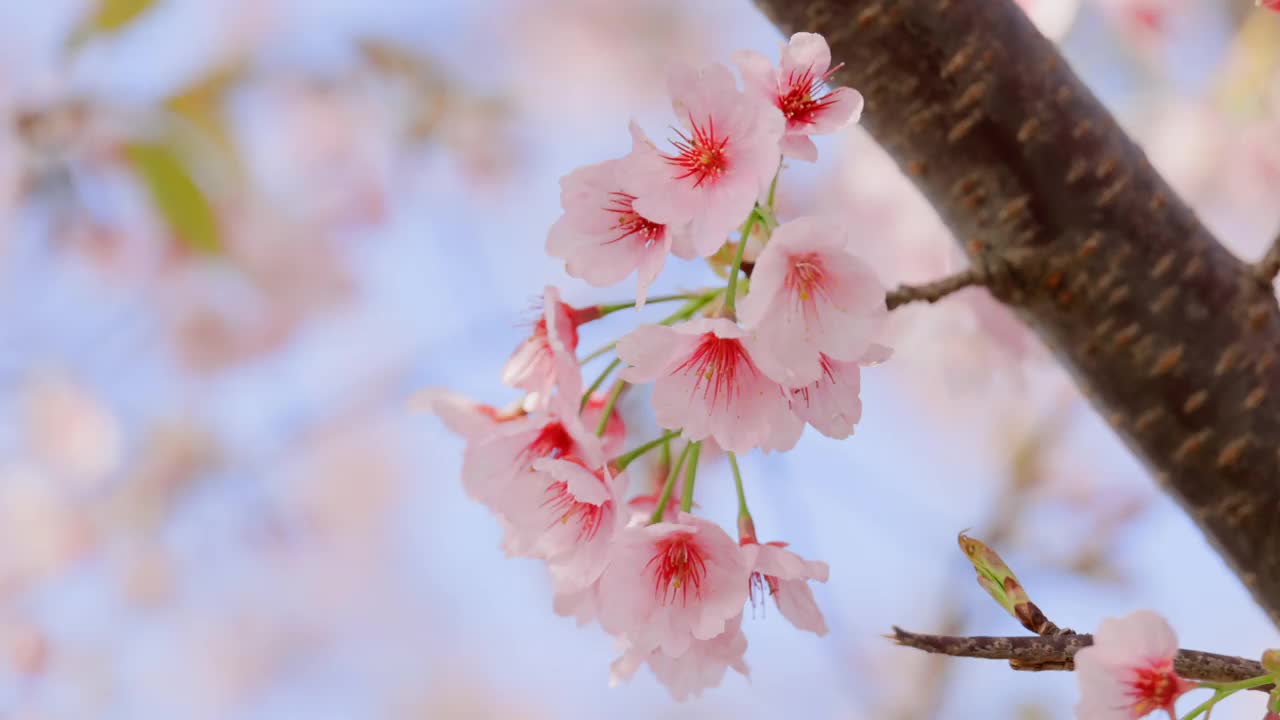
point(493, 462)
point(721, 161)
point(701, 668)
point(1128, 671)
point(615, 431)
point(567, 514)
point(831, 404)
point(810, 296)
point(672, 583)
point(796, 88)
point(600, 236)
point(784, 576)
point(707, 382)
point(1270, 4)
point(545, 359)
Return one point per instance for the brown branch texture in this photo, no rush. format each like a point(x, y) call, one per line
point(1170, 336)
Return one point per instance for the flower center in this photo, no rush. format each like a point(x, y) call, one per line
point(716, 362)
point(568, 509)
point(799, 101)
point(552, 441)
point(806, 282)
point(1155, 687)
point(762, 587)
point(678, 566)
point(701, 155)
point(629, 223)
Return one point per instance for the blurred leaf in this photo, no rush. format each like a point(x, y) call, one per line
point(110, 16)
point(1254, 59)
point(201, 104)
point(177, 197)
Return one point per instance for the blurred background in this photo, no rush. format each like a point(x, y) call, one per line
point(237, 235)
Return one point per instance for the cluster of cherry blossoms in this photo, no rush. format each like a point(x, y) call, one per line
point(736, 368)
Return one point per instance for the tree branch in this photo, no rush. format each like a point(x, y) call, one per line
point(1164, 329)
point(1035, 652)
point(934, 291)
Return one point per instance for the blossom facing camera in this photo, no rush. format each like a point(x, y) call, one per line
point(1128, 671)
point(796, 88)
point(721, 161)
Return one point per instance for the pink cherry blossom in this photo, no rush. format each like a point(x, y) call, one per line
point(567, 514)
point(496, 460)
point(707, 382)
point(796, 88)
point(571, 600)
point(784, 576)
point(600, 236)
point(721, 161)
point(1270, 4)
point(831, 404)
point(545, 360)
point(671, 583)
point(701, 668)
point(810, 296)
point(1128, 671)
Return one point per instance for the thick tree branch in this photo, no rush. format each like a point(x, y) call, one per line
point(1167, 333)
point(1056, 653)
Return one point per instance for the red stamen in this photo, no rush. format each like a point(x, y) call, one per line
point(716, 361)
point(629, 223)
point(552, 441)
point(806, 284)
point(800, 101)
point(588, 516)
point(1155, 687)
point(703, 156)
point(677, 566)
point(827, 370)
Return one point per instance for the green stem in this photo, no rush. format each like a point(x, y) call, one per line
point(615, 307)
point(1223, 690)
point(665, 497)
point(595, 385)
point(694, 305)
point(773, 187)
point(626, 458)
point(691, 473)
point(608, 407)
point(743, 512)
point(731, 292)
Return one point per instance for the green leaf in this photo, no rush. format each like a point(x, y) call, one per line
point(177, 197)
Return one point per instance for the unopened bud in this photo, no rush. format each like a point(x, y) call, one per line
point(1271, 660)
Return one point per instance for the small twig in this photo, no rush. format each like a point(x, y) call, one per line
point(1034, 652)
point(934, 291)
point(1268, 267)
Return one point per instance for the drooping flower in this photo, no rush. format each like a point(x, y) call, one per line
point(810, 296)
point(545, 360)
point(671, 583)
point(1128, 671)
point(796, 88)
point(567, 514)
point(784, 576)
point(600, 236)
point(700, 668)
point(707, 382)
point(831, 404)
point(496, 460)
point(722, 160)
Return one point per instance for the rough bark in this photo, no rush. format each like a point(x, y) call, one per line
point(1171, 337)
point(1057, 653)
